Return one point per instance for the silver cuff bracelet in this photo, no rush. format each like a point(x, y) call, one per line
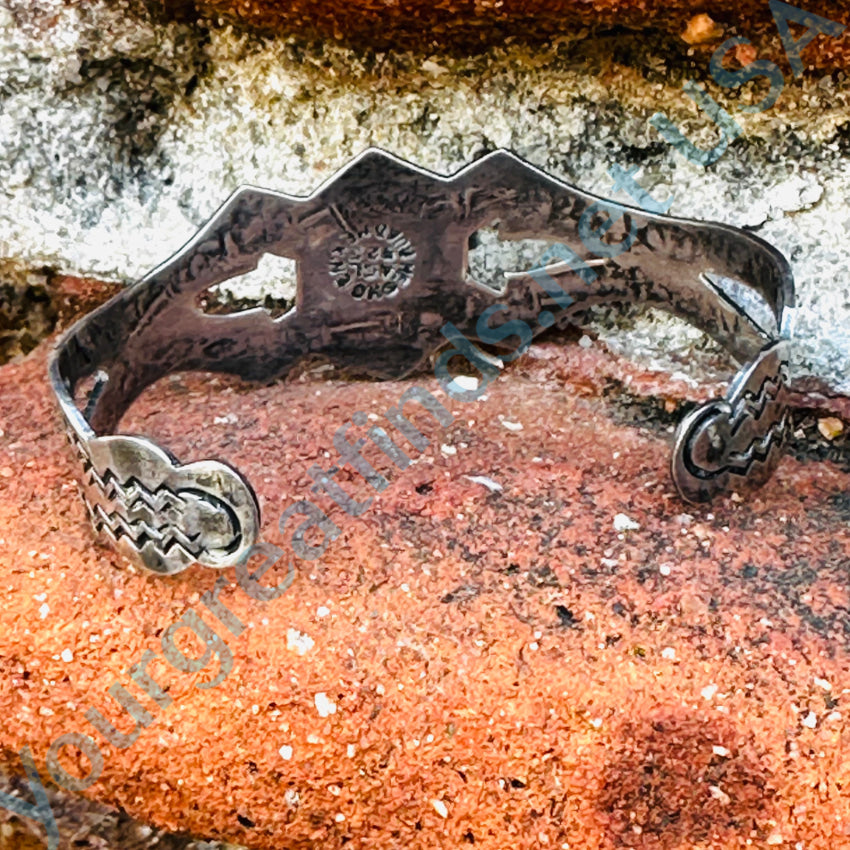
point(382, 252)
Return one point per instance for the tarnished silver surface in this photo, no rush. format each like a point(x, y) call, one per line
point(161, 514)
point(381, 252)
point(737, 442)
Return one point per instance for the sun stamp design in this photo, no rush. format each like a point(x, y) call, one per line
point(374, 263)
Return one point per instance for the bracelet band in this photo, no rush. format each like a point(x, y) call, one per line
point(382, 251)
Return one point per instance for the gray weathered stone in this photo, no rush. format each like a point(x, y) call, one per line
point(119, 137)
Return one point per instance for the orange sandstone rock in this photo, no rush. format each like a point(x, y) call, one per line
point(480, 659)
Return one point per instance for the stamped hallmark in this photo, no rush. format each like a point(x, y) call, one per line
point(374, 263)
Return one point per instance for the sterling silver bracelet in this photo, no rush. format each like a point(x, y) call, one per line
point(382, 253)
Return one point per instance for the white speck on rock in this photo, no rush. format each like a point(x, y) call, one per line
point(720, 751)
point(298, 641)
point(433, 67)
point(448, 450)
point(322, 612)
point(810, 721)
point(467, 382)
point(719, 794)
point(285, 752)
point(625, 523)
point(708, 691)
point(669, 653)
point(440, 808)
point(794, 194)
point(43, 610)
point(324, 706)
point(823, 684)
point(512, 426)
point(486, 481)
point(67, 656)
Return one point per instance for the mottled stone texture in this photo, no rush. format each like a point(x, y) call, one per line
point(470, 24)
point(509, 670)
point(87, 825)
point(121, 134)
point(527, 640)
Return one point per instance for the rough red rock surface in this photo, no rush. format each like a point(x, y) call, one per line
point(508, 669)
point(466, 24)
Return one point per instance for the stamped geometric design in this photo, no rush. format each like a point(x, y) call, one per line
point(736, 442)
point(358, 241)
point(375, 263)
point(165, 515)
